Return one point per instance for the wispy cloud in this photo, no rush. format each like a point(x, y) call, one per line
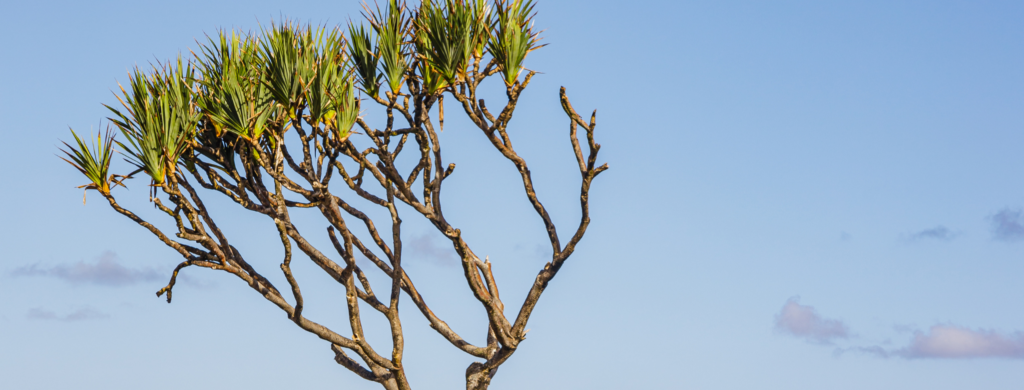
point(1007, 225)
point(424, 247)
point(952, 342)
point(106, 271)
point(804, 321)
point(77, 315)
point(955, 342)
point(942, 341)
point(940, 233)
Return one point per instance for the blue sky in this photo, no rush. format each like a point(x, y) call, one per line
point(802, 195)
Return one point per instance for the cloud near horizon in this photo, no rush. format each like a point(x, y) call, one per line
point(1007, 225)
point(106, 271)
point(941, 341)
point(956, 342)
point(803, 321)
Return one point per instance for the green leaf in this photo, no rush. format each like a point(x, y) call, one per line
point(290, 58)
point(159, 118)
point(391, 28)
point(513, 37)
point(94, 161)
point(331, 74)
point(444, 37)
point(234, 93)
point(364, 56)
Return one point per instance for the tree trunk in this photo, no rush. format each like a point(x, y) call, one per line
point(478, 377)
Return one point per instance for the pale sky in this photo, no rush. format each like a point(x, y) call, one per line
point(802, 195)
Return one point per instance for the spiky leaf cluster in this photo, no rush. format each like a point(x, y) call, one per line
point(93, 161)
point(235, 92)
point(240, 85)
point(157, 118)
point(513, 37)
point(391, 27)
point(444, 38)
point(365, 57)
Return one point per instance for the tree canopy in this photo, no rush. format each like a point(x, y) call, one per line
point(268, 120)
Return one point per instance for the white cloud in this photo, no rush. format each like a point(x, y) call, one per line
point(804, 321)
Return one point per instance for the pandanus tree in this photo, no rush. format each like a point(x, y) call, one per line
point(272, 119)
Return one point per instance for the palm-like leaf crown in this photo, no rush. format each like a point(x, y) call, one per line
point(513, 37)
point(158, 118)
point(240, 85)
point(234, 93)
point(364, 58)
point(445, 40)
point(482, 22)
point(92, 161)
point(289, 54)
point(391, 27)
point(331, 96)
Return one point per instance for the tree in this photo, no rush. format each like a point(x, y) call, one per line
point(216, 125)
